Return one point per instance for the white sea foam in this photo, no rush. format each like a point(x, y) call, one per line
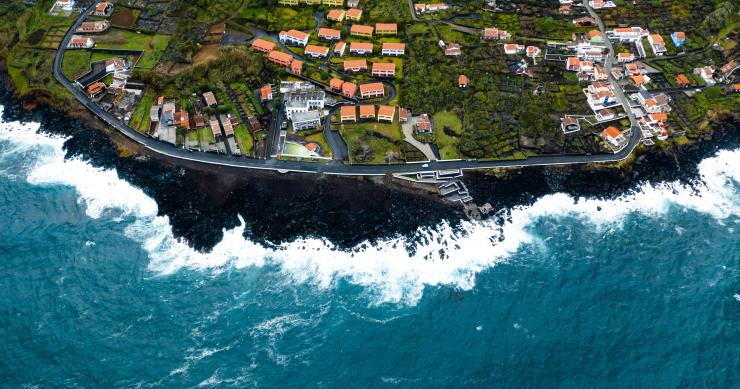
point(385, 268)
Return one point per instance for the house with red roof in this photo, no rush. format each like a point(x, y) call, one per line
point(349, 90)
point(463, 81)
point(394, 49)
point(280, 58)
point(315, 51)
point(339, 48)
point(296, 67)
point(361, 31)
point(386, 113)
point(371, 90)
point(329, 34)
point(348, 113)
point(386, 28)
point(383, 69)
point(266, 93)
point(367, 112)
point(614, 137)
point(355, 65)
point(354, 14)
point(335, 84)
point(263, 45)
point(361, 48)
point(336, 15)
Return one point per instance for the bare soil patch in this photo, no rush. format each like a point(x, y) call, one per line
point(205, 54)
point(123, 17)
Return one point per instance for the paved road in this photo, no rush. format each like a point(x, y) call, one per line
point(334, 167)
point(636, 133)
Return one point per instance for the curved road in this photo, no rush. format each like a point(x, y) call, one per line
point(335, 167)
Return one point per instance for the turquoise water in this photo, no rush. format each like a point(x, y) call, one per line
point(95, 291)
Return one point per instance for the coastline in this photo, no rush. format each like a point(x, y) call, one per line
point(201, 200)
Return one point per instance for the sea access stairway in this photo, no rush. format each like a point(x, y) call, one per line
point(449, 185)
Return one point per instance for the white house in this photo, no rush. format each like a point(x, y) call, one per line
point(293, 37)
point(627, 34)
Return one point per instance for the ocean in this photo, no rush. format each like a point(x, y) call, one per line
point(96, 290)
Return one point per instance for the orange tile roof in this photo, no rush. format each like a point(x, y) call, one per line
point(386, 110)
point(361, 29)
point(336, 83)
point(96, 87)
point(347, 110)
point(355, 63)
point(367, 110)
point(682, 80)
point(330, 32)
point(296, 66)
point(300, 35)
point(462, 80)
point(263, 44)
point(266, 91)
point(659, 116)
point(394, 46)
point(372, 87)
point(384, 66)
point(611, 132)
point(386, 27)
point(280, 56)
point(639, 80)
point(364, 46)
point(323, 50)
point(681, 35)
point(354, 13)
point(101, 7)
point(349, 88)
point(335, 14)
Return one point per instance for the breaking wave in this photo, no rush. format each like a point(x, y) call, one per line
point(385, 268)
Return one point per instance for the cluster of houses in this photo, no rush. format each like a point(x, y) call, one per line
point(166, 118)
point(103, 10)
point(656, 108)
point(712, 76)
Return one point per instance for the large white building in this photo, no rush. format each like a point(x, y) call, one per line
point(303, 101)
point(306, 120)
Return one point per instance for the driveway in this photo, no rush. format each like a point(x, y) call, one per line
point(408, 136)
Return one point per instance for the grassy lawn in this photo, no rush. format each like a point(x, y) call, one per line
point(142, 111)
point(75, 63)
point(244, 139)
point(447, 143)
point(370, 142)
point(206, 136)
point(193, 136)
point(152, 45)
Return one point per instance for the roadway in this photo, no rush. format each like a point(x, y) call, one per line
point(635, 133)
point(333, 168)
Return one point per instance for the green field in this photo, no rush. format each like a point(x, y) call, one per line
point(372, 142)
point(75, 63)
point(206, 135)
point(244, 139)
point(152, 45)
point(447, 144)
point(141, 115)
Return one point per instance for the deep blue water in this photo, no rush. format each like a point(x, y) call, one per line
point(94, 291)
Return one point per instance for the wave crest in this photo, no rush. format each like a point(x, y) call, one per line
point(388, 271)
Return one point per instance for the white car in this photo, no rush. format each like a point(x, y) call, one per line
point(425, 165)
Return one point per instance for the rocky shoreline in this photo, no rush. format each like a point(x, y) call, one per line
point(201, 200)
